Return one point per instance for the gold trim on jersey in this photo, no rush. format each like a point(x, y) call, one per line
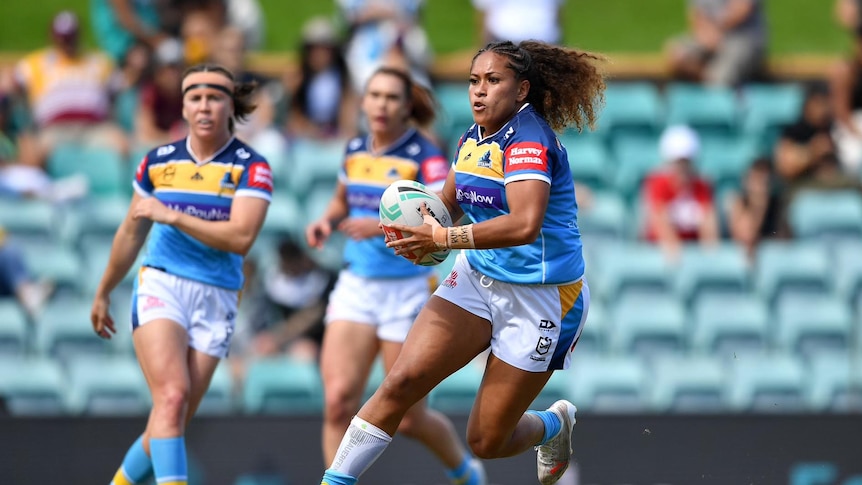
point(485, 160)
point(363, 167)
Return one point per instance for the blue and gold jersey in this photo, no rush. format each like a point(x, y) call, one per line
point(525, 148)
point(366, 175)
point(205, 190)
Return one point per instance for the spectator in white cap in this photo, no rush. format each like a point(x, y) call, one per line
point(678, 203)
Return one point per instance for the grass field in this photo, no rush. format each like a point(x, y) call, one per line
point(796, 26)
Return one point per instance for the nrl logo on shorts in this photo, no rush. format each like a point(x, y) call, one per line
point(544, 345)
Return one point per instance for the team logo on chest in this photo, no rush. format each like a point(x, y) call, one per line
point(485, 161)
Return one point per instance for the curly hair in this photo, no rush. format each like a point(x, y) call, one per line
point(566, 86)
point(242, 95)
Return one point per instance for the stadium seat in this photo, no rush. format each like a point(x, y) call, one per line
point(457, 392)
point(817, 324)
point(104, 168)
point(648, 326)
point(14, 331)
point(594, 336)
point(723, 159)
point(835, 383)
point(29, 220)
point(558, 387)
point(96, 251)
point(769, 107)
point(219, 398)
point(711, 270)
point(630, 269)
point(604, 384)
point(730, 325)
point(687, 384)
point(64, 331)
point(58, 263)
point(631, 108)
point(33, 386)
point(125, 108)
point(847, 270)
point(604, 218)
point(284, 218)
point(375, 378)
point(107, 386)
point(767, 384)
point(589, 160)
point(706, 109)
point(826, 215)
point(313, 162)
point(282, 386)
point(788, 268)
point(456, 113)
point(103, 216)
point(636, 156)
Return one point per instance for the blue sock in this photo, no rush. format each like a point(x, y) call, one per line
point(463, 474)
point(334, 478)
point(136, 467)
point(552, 424)
point(169, 460)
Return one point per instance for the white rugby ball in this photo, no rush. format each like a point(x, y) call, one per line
point(401, 203)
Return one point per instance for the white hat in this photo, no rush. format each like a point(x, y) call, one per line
point(679, 142)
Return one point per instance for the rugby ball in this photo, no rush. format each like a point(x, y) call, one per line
point(401, 203)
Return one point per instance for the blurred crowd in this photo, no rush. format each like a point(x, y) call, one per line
point(124, 96)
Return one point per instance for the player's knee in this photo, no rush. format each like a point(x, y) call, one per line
point(170, 402)
point(485, 446)
point(340, 404)
point(400, 387)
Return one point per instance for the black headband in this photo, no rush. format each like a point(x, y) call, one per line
point(218, 87)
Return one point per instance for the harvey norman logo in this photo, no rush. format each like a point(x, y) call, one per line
point(478, 196)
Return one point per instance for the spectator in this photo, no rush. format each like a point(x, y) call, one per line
point(679, 204)
point(16, 280)
point(517, 20)
point(385, 32)
point(199, 32)
point(120, 24)
point(726, 43)
point(754, 213)
point(845, 86)
point(803, 143)
point(323, 104)
point(159, 117)
point(69, 92)
point(288, 308)
point(847, 13)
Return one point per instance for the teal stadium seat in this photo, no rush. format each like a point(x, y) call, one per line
point(730, 325)
point(630, 269)
point(648, 326)
point(594, 335)
point(767, 384)
point(789, 268)
point(769, 107)
point(827, 215)
point(282, 386)
point(457, 392)
point(847, 270)
point(58, 263)
point(33, 386)
point(706, 109)
point(724, 159)
point(704, 270)
point(29, 220)
point(835, 383)
point(631, 108)
point(636, 156)
point(284, 218)
point(219, 398)
point(694, 384)
point(64, 331)
point(104, 168)
point(604, 218)
point(605, 384)
point(313, 163)
point(108, 386)
point(126, 107)
point(96, 252)
point(589, 160)
point(14, 330)
point(456, 114)
point(103, 216)
point(817, 324)
point(375, 378)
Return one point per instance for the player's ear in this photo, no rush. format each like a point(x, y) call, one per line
point(523, 90)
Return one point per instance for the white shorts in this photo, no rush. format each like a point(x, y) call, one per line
point(391, 304)
point(533, 327)
point(208, 313)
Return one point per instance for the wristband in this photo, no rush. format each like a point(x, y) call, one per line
point(441, 245)
point(460, 237)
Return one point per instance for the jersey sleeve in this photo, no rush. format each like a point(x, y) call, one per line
point(527, 158)
point(142, 184)
point(256, 180)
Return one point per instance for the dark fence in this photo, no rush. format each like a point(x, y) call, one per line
point(644, 450)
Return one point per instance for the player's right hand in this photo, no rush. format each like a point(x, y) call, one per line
point(101, 319)
point(318, 232)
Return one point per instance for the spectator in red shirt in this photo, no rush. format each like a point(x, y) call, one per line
point(678, 203)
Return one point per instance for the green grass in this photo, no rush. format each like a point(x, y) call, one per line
point(796, 26)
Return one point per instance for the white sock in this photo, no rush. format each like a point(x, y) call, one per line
point(362, 444)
